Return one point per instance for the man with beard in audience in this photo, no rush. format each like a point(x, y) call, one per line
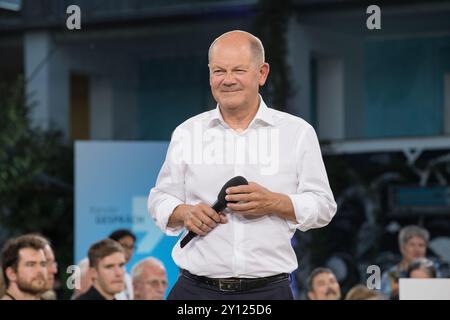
point(322, 285)
point(25, 268)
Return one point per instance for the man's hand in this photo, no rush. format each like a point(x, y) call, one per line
point(256, 200)
point(200, 218)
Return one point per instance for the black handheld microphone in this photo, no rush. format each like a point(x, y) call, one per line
point(219, 205)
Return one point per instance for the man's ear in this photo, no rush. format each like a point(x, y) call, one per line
point(93, 273)
point(11, 274)
point(89, 273)
point(263, 73)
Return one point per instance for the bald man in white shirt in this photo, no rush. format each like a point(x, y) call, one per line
point(245, 252)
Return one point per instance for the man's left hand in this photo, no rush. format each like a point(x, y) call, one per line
point(253, 199)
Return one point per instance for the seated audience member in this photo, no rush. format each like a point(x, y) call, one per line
point(25, 268)
point(52, 268)
point(322, 285)
point(149, 280)
point(413, 242)
point(127, 240)
point(107, 268)
point(421, 268)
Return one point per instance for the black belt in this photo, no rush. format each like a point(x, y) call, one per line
point(236, 284)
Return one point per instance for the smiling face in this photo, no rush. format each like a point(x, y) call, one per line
point(235, 72)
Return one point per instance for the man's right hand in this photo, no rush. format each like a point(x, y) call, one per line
point(200, 218)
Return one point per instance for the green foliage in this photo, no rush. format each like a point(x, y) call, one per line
point(36, 177)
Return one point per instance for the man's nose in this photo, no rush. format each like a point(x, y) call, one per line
point(229, 79)
point(120, 271)
point(42, 272)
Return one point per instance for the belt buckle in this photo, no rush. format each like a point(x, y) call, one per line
point(226, 285)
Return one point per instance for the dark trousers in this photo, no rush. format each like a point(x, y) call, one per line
point(189, 289)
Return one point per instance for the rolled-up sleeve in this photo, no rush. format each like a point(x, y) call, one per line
point(169, 190)
point(313, 202)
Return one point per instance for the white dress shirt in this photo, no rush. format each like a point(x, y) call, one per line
point(278, 151)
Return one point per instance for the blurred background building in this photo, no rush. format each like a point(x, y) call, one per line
point(379, 99)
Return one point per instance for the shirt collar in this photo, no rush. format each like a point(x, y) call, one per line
point(264, 114)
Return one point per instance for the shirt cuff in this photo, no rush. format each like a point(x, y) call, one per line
point(165, 210)
point(306, 211)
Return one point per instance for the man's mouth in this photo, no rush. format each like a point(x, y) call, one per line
point(230, 91)
point(330, 292)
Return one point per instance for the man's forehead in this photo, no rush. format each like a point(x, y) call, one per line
point(415, 239)
point(233, 42)
point(26, 254)
point(324, 276)
point(159, 275)
point(117, 257)
point(228, 64)
point(231, 58)
point(151, 270)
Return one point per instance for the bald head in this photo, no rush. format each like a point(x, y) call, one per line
point(238, 37)
point(149, 280)
point(149, 264)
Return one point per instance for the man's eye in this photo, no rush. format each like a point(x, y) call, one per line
point(218, 71)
